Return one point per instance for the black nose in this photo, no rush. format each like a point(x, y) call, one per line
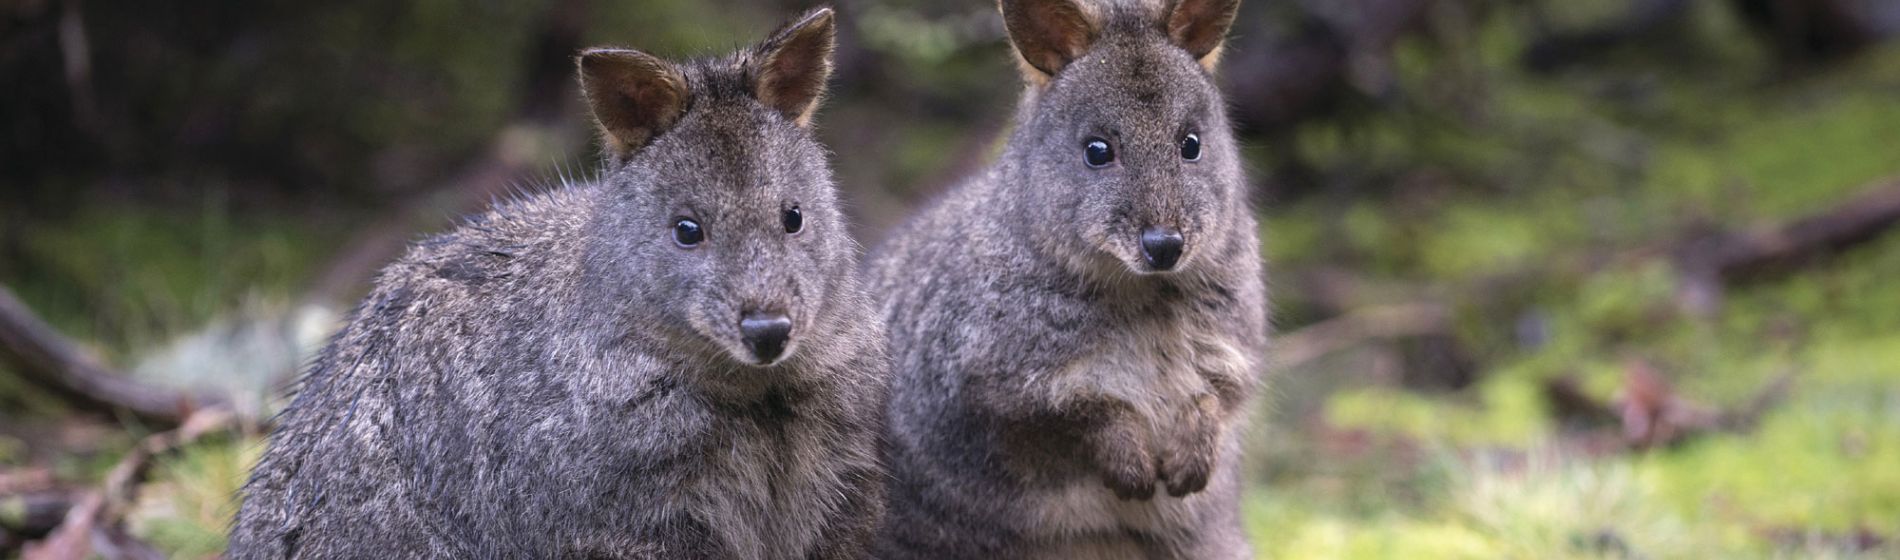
point(765, 333)
point(1161, 247)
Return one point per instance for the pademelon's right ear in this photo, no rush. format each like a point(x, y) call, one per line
point(1047, 34)
point(634, 96)
point(1200, 26)
point(790, 69)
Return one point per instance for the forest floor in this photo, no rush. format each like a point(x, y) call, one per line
point(1367, 454)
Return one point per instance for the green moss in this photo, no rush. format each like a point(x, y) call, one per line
point(1801, 159)
point(1347, 538)
point(1470, 242)
point(1828, 460)
point(1509, 412)
point(1560, 508)
point(920, 150)
point(1827, 473)
point(1543, 506)
point(1548, 175)
point(127, 277)
point(12, 451)
point(1624, 302)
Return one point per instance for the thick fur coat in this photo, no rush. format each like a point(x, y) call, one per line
point(563, 376)
point(1059, 391)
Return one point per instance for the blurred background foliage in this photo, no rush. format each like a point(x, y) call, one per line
point(1496, 229)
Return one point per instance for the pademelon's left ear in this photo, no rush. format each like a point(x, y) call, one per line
point(635, 96)
point(1200, 26)
point(789, 70)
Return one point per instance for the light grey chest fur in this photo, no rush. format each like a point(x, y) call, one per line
point(768, 497)
point(753, 477)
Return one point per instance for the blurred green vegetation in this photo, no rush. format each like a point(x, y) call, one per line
point(1552, 167)
point(254, 141)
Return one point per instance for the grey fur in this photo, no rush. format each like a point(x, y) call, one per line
point(1053, 398)
point(557, 378)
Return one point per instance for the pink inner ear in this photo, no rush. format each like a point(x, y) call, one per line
point(634, 96)
point(1199, 26)
point(796, 64)
point(1048, 33)
point(792, 82)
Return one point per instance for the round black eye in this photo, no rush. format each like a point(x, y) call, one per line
point(1191, 148)
point(793, 220)
point(687, 232)
point(1098, 153)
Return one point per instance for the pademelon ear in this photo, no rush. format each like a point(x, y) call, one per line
point(1047, 34)
point(789, 70)
point(634, 96)
point(1200, 27)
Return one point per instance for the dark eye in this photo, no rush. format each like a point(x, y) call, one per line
point(793, 220)
point(1098, 153)
point(687, 232)
point(1191, 148)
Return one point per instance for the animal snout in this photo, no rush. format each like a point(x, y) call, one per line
point(1161, 247)
point(765, 333)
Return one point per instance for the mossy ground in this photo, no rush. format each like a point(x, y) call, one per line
point(1555, 171)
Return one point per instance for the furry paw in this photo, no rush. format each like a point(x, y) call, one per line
point(1186, 462)
point(1186, 473)
point(1131, 476)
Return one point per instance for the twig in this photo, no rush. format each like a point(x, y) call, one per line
point(73, 539)
point(48, 359)
point(103, 509)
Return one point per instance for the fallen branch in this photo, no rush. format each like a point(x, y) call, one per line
point(1705, 264)
point(46, 358)
point(1754, 253)
point(102, 510)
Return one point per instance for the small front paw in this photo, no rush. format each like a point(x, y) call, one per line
point(1186, 473)
point(1132, 479)
point(1187, 462)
